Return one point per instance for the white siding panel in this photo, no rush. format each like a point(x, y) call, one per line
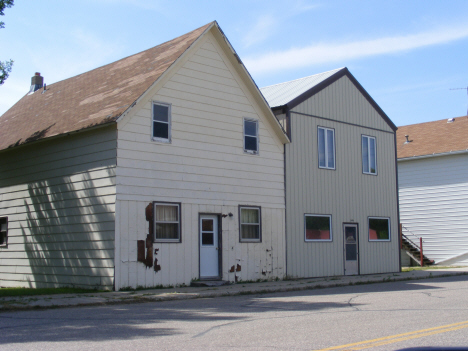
point(206, 170)
point(59, 197)
point(433, 205)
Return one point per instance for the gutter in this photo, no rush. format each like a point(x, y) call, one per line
point(433, 155)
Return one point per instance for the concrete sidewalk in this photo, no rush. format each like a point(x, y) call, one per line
point(182, 293)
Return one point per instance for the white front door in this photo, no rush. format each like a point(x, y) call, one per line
point(351, 249)
point(209, 250)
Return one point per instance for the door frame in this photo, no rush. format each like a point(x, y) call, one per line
point(357, 246)
point(220, 245)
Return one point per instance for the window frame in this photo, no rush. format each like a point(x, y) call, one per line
point(251, 152)
point(242, 240)
point(169, 122)
point(325, 148)
point(389, 229)
point(369, 137)
point(179, 222)
point(317, 215)
point(4, 233)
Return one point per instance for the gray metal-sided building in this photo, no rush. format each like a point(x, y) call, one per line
point(341, 177)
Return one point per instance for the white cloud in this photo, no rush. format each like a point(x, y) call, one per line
point(262, 29)
point(268, 24)
point(335, 52)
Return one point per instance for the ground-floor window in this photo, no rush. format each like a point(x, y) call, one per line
point(167, 222)
point(379, 229)
point(317, 227)
point(250, 224)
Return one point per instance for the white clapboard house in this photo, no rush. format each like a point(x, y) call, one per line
point(341, 177)
point(158, 169)
point(433, 187)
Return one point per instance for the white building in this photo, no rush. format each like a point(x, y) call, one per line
point(433, 183)
point(158, 169)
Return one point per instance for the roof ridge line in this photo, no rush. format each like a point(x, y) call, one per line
point(290, 81)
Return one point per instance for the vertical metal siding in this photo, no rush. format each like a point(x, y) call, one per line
point(345, 193)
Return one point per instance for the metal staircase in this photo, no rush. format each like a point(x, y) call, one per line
point(414, 251)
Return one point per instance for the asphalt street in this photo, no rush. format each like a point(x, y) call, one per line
point(384, 316)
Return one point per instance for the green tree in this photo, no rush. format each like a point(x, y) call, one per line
point(5, 66)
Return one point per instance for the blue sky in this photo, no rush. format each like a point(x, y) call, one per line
point(406, 54)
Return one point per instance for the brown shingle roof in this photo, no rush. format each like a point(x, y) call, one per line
point(433, 137)
point(90, 99)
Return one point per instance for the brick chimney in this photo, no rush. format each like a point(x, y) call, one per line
point(37, 82)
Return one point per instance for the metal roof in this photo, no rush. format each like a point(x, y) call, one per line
point(280, 94)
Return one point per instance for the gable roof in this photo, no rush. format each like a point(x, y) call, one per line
point(288, 95)
point(94, 98)
point(433, 138)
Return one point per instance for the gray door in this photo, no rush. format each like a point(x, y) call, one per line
point(209, 248)
point(351, 249)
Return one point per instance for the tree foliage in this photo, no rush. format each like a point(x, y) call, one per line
point(5, 66)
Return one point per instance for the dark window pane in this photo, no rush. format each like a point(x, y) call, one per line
point(351, 252)
point(160, 130)
point(251, 143)
point(250, 128)
point(321, 147)
point(250, 231)
point(207, 239)
point(378, 229)
point(372, 155)
point(207, 225)
point(350, 234)
point(317, 228)
point(330, 149)
point(161, 113)
point(167, 231)
point(365, 155)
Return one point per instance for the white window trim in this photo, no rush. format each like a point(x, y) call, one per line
point(259, 240)
point(326, 149)
point(379, 240)
point(252, 152)
point(305, 228)
point(169, 122)
point(368, 154)
point(179, 222)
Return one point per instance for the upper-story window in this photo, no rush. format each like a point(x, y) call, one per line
point(3, 231)
point(369, 162)
point(251, 136)
point(161, 122)
point(326, 147)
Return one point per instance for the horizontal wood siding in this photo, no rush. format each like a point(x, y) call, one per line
point(59, 197)
point(434, 205)
point(345, 193)
point(205, 169)
point(341, 101)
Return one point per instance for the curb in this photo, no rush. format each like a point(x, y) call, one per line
point(174, 296)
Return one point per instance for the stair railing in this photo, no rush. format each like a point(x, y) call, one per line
point(413, 242)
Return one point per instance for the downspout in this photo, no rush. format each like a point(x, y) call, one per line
point(398, 201)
